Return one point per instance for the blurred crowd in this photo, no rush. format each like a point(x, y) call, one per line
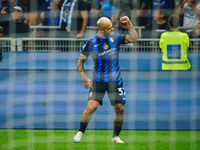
point(77, 18)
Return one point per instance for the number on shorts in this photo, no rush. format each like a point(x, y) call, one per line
point(121, 91)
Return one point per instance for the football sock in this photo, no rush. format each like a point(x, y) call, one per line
point(82, 127)
point(116, 131)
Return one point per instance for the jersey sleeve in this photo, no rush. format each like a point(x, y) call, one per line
point(86, 48)
point(82, 5)
point(121, 38)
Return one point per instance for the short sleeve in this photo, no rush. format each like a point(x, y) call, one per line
point(82, 5)
point(86, 48)
point(121, 38)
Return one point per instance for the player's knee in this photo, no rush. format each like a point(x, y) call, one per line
point(91, 108)
point(119, 108)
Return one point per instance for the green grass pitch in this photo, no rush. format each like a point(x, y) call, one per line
point(18, 139)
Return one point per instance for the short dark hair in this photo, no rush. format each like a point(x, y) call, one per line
point(125, 11)
point(174, 21)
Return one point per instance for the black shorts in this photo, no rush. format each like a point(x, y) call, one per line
point(115, 92)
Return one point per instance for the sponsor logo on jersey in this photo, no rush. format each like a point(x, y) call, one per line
point(109, 52)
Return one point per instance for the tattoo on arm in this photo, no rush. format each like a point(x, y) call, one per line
point(80, 67)
point(133, 36)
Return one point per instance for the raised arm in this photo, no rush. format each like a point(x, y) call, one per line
point(3, 11)
point(133, 36)
point(180, 9)
point(196, 10)
point(80, 66)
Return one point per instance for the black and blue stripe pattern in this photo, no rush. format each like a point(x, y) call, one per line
point(105, 54)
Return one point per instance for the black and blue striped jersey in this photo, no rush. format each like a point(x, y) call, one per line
point(105, 54)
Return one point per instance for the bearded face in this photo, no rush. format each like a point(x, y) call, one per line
point(108, 29)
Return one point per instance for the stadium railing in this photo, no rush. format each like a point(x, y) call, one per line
point(139, 29)
point(75, 45)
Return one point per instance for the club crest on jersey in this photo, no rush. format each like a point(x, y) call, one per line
point(111, 39)
point(106, 46)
